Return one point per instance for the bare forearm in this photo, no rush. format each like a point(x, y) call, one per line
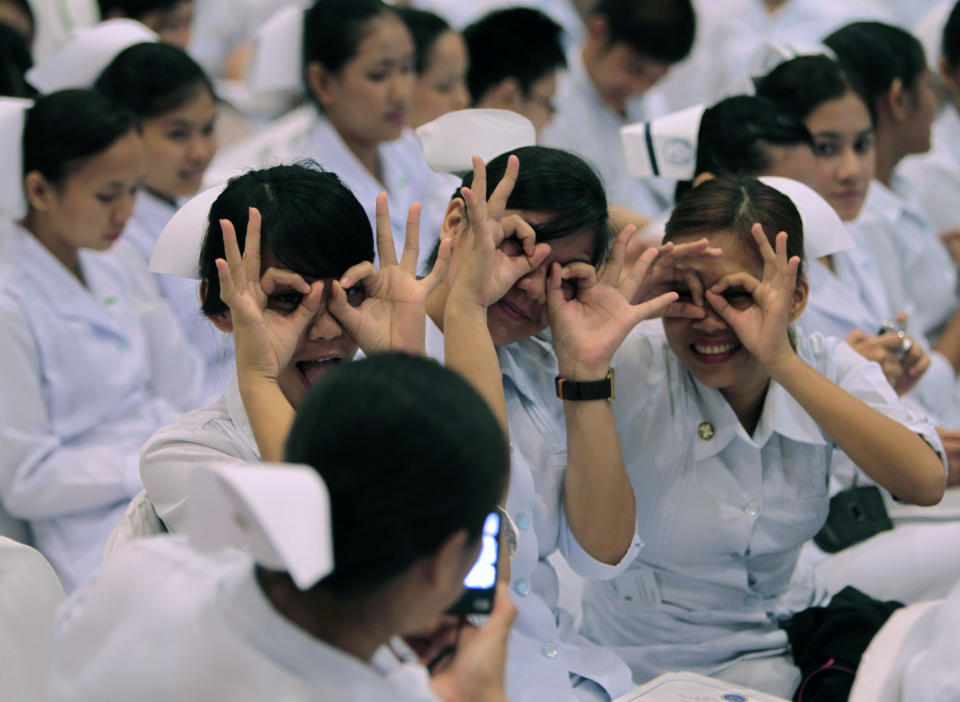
point(884, 449)
point(597, 495)
point(269, 413)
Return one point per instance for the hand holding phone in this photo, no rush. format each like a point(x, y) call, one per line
point(481, 582)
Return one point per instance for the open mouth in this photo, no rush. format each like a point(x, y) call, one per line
point(716, 352)
point(311, 371)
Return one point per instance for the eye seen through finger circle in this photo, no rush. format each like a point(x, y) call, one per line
point(284, 301)
point(738, 298)
point(356, 295)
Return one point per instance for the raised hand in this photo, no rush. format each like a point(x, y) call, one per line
point(760, 323)
point(670, 267)
point(484, 266)
point(589, 327)
point(264, 339)
point(392, 314)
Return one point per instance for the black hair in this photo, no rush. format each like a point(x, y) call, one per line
point(662, 30)
point(876, 54)
point(25, 8)
point(333, 29)
point(731, 203)
point(736, 132)
point(438, 463)
point(804, 83)
point(557, 184)
point(136, 8)
point(518, 42)
point(15, 61)
point(69, 126)
point(153, 78)
point(310, 220)
point(950, 44)
point(425, 28)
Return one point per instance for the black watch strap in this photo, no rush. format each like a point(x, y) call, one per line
point(585, 390)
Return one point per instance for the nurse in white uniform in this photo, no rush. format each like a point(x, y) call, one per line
point(901, 97)
point(728, 426)
point(357, 60)
point(568, 490)
point(629, 47)
point(89, 369)
point(403, 521)
point(313, 229)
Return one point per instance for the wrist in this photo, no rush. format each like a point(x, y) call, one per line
point(583, 371)
point(784, 365)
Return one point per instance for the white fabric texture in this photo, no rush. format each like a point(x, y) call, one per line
point(163, 622)
point(723, 516)
point(935, 176)
point(29, 596)
point(84, 386)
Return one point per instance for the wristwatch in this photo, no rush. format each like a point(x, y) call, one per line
point(586, 390)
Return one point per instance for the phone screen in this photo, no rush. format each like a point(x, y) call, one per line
point(483, 575)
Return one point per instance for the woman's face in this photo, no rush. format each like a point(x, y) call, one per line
point(522, 312)
point(90, 208)
point(180, 145)
point(172, 25)
point(368, 100)
point(323, 344)
point(442, 87)
point(709, 347)
point(844, 147)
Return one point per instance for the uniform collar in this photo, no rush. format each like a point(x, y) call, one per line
point(68, 295)
point(882, 202)
point(781, 414)
point(238, 415)
point(246, 608)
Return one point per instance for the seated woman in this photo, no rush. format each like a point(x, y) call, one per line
point(313, 229)
point(728, 426)
point(175, 102)
point(441, 66)
point(413, 460)
point(89, 369)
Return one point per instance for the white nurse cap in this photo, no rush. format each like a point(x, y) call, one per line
point(278, 53)
point(771, 55)
point(177, 251)
point(13, 201)
point(278, 513)
point(823, 231)
point(89, 51)
point(665, 147)
point(450, 141)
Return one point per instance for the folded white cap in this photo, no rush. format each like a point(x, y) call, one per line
point(823, 231)
point(177, 251)
point(278, 53)
point(665, 147)
point(770, 55)
point(452, 140)
point(13, 201)
point(278, 513)
point(90, 50)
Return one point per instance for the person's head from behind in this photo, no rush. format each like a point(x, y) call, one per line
point(817, 90)
point(83, 163)
point(414, 461)
point(170, 19)
point(949, 61)
point(514, 58)
point(563, 200)
point(15, 61)
point(175, 101)
point(358, 67)
point(890, 68)
point(18, 15)
point(752, 136)
point(724, 210)
point(632, 43)
point(441, 66)
point(311, 224)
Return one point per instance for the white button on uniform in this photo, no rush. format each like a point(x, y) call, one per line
point(521, 588)
point(523, 521)
point(752, 508)
point(549, 650)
